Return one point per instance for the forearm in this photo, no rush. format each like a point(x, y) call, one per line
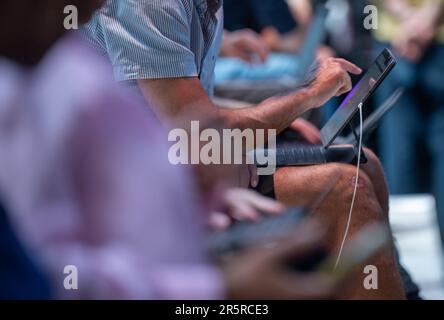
point(275, 113)
point(331, 79)
point(186, 99)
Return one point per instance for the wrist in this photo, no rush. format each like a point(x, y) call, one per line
point(310, 98)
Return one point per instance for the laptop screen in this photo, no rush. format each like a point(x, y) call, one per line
point(360, 93)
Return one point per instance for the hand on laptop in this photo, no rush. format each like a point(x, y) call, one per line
point(245, 45)
point(331, 78)
point(243, 204)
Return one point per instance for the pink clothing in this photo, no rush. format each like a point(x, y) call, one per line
point(85, 172)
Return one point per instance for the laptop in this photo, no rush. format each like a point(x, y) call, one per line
point(297, 154)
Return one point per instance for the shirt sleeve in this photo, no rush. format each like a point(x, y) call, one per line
point(147, 39)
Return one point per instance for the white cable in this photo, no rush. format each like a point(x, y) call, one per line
point(358, 167)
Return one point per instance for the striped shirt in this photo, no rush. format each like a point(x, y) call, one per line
point(155, 39)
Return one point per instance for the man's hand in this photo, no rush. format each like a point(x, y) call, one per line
point(307, 130)
point(331, 78)
point(175, 99)
point(243, 204)
point(263, 273)
point(245, 45)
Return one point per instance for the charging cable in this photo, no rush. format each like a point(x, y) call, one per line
point(358, 167)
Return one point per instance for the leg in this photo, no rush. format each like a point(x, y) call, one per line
point(432, 70)
point(374, 170)
point(291, 188)
point(436, 147)
point(401, 131)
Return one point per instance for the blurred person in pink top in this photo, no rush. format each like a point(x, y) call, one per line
point(87, 186)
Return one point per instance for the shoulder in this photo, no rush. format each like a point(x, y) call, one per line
point(147, 7)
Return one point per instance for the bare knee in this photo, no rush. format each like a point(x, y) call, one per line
point(346, 183)
point(303, 185)
point(335, 210)
point(367, 206)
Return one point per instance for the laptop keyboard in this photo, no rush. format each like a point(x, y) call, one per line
point(299, 155)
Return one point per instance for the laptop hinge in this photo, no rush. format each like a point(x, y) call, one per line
point(364, 159)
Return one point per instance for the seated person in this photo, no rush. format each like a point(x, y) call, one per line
point(83, 172)
point(278, 30)
point(160, 49)
point(265, 17)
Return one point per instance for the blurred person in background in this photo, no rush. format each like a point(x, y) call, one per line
point(412, 134)
point(275, 24)
point(271, 19)
point(83, 176)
